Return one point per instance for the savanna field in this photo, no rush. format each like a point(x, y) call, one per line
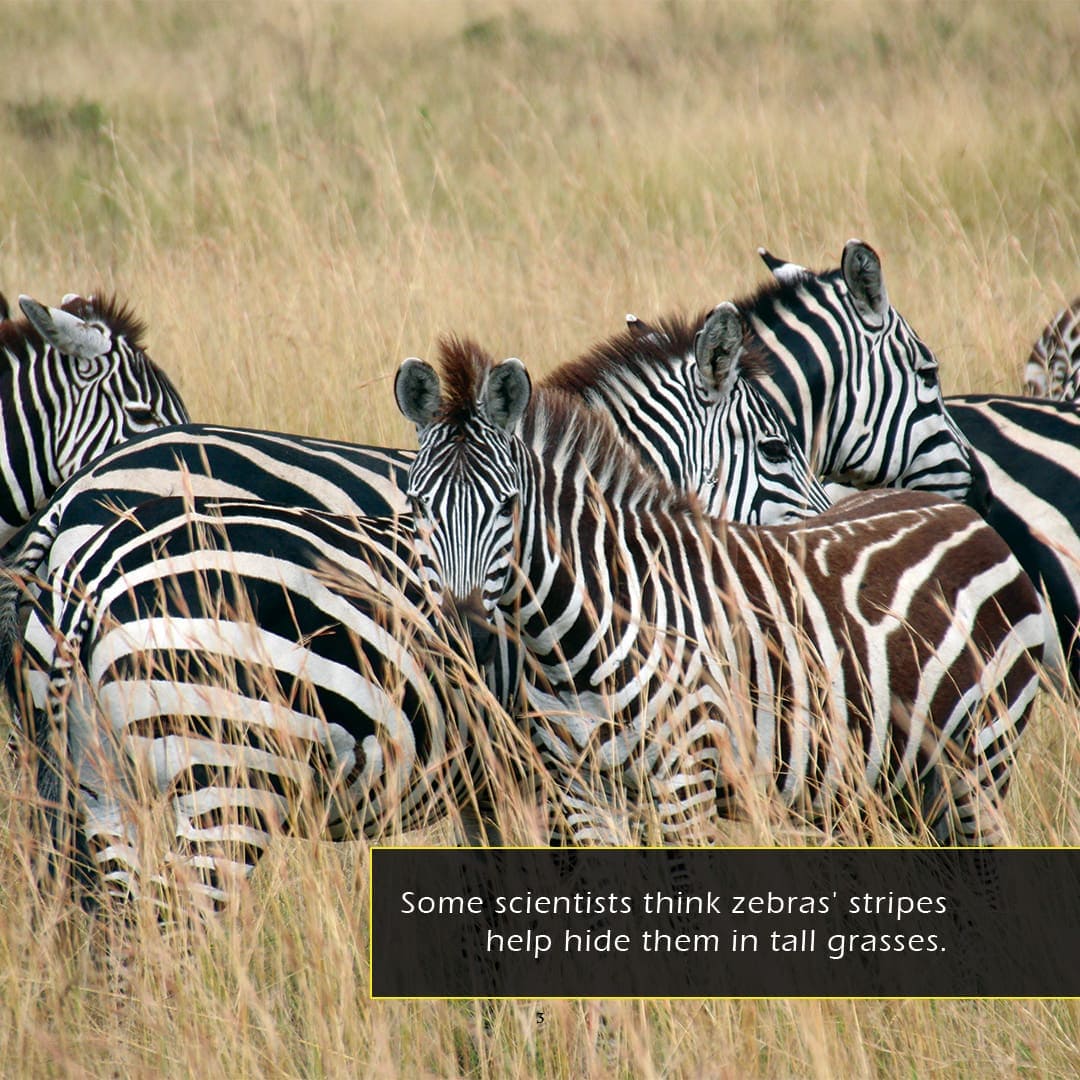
point(296, 196)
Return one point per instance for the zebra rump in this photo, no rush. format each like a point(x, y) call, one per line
point(257, 669)
point(675, 662)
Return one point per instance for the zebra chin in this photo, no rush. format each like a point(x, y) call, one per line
point(979, 493)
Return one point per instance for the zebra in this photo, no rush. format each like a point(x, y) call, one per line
point(684, 394)
point(1053, 368)
point(115, 597)
point(673, 659)
point(855, 382)
point(74, 381)
point(1028, 451)
point(255, 669)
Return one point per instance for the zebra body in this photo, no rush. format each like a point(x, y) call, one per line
point(259, 668)
point(857, 385)
point(74, 380)
point(1030, 450)
point(893, 638)
point(1053, 368)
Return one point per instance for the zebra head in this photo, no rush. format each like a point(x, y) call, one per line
point(857, 383)
point(682, 394)
point(103, 387)
point(465, 483)
point(751, 469)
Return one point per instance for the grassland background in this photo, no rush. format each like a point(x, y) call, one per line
point(295, 196)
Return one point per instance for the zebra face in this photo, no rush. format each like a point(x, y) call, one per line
point(749, 467)
point(752, 469)
point(464, 485)
point(102, 387)
point(900, 433)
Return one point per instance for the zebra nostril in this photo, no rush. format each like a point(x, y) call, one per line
point(472, 616)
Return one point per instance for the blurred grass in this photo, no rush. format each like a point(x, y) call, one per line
point(297, 195)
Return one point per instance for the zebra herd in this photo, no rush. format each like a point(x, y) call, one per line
point(633, 563)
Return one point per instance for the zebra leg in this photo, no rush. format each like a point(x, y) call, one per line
point(68, 855)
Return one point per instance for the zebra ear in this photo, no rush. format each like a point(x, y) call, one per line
point(505, 393)
point(717, 349)
point(416, 389)
point(781, 269)
point(639, 328)
point(861, 269)
point(65, 332)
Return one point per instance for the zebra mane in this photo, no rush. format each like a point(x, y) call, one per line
point(560, 429)
point(115, 313)
point(464, 366)
point(669, 340)
point(557, 425)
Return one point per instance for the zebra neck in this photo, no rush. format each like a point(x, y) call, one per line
point(810, 352)
point(28, 430)
point(604, 594)
point(644, 404)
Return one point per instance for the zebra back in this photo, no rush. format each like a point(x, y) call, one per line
point(857, 385)
point(894, 639)
point(74, 380)
point(1053, 368)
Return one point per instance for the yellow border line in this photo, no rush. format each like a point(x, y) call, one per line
point(712, 850)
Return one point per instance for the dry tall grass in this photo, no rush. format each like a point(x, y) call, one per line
point(297, 195)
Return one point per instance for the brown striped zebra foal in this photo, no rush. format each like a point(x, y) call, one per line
point(893, 641)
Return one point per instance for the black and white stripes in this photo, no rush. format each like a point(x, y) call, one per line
point(1053, 368)
point(894, 638)
point(256, 668)
point(857, 385)
point(166, 631)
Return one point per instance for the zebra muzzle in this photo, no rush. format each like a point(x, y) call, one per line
point(473, 617)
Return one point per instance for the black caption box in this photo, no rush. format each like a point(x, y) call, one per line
point(665, 923)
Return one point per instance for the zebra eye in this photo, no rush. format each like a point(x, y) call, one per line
point(928, 377)
point(774, 450)
point(508, 505)
point(143, 414)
